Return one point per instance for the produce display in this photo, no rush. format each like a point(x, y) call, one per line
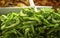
point(30, 24)
point(13, 3)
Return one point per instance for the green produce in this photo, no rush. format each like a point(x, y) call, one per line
point(30, 24)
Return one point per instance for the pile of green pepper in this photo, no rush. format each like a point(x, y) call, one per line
point(30, 24)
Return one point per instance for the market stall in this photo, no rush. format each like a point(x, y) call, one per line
point(28, 20)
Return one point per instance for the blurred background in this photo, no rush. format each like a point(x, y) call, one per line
point(47, 2)
point(12, 3)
